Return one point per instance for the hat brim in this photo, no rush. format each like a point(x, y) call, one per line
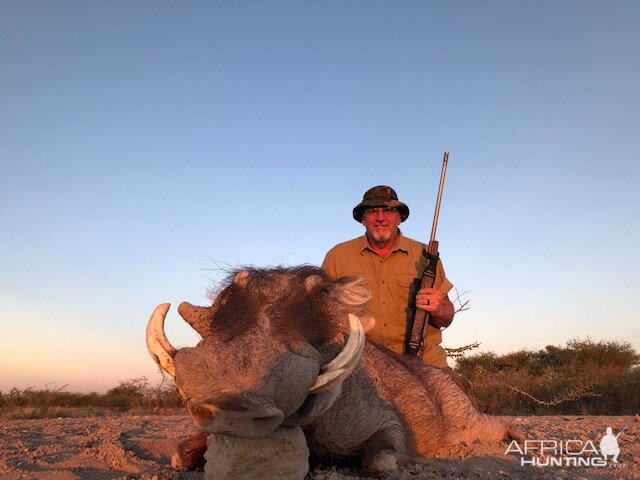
point(359, 209)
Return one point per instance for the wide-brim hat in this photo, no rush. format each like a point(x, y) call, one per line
point(380, 196)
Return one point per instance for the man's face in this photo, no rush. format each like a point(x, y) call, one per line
point(381, 223)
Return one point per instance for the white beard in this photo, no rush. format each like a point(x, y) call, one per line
point(381, 236)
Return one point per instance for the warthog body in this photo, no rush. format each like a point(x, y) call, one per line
point(268, 336)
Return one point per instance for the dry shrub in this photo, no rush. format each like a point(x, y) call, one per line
point(581, 377)
point(136, 396)
point(139, 394)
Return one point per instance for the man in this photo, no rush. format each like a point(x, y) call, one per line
point(393, 266)
point(609, 445)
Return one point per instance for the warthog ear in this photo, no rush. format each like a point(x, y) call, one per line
point(354, 292)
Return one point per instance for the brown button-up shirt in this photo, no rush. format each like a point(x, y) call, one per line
point(392, 282)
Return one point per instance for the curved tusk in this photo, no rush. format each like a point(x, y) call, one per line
point(159, 347)
point(341, 367)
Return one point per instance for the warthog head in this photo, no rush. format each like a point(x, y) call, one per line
point(276, 346)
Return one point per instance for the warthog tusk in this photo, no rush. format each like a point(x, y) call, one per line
point(341, 367)
point(159, 347)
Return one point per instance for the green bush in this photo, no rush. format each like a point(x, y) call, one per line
point(581, 377)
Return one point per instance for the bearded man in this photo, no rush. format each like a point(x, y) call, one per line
point(392, 265)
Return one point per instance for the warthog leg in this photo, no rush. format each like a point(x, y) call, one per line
point(190, 452)
point(380, 451)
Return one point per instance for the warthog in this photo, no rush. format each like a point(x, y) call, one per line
point(285, 347)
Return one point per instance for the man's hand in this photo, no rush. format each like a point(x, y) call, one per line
point(437, 304)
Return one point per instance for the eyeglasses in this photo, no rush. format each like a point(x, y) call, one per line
point(384, 210)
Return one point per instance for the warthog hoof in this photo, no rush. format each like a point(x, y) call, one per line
point(380, 463)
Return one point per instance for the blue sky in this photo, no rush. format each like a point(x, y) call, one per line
point(147, 146)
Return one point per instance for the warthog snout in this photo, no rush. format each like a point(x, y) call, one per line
point(241, 419)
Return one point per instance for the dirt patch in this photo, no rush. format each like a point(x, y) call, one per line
point(139, 447)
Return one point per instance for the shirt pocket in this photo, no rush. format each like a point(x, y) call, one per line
point(404, 291)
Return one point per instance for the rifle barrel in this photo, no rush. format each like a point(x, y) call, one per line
point(434, 226)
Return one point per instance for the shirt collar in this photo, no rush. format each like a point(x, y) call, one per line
point(402, 244)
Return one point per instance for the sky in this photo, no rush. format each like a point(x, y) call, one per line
point(148, 147)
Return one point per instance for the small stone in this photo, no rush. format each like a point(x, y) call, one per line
point(282, 455)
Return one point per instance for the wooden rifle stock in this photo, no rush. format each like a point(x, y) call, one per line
point(416, 337)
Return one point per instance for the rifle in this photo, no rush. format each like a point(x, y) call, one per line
point(418, 325)
point(623, 429)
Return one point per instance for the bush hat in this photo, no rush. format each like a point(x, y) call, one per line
point(380, 196)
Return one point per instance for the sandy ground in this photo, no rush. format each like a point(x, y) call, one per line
point(139, 447)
